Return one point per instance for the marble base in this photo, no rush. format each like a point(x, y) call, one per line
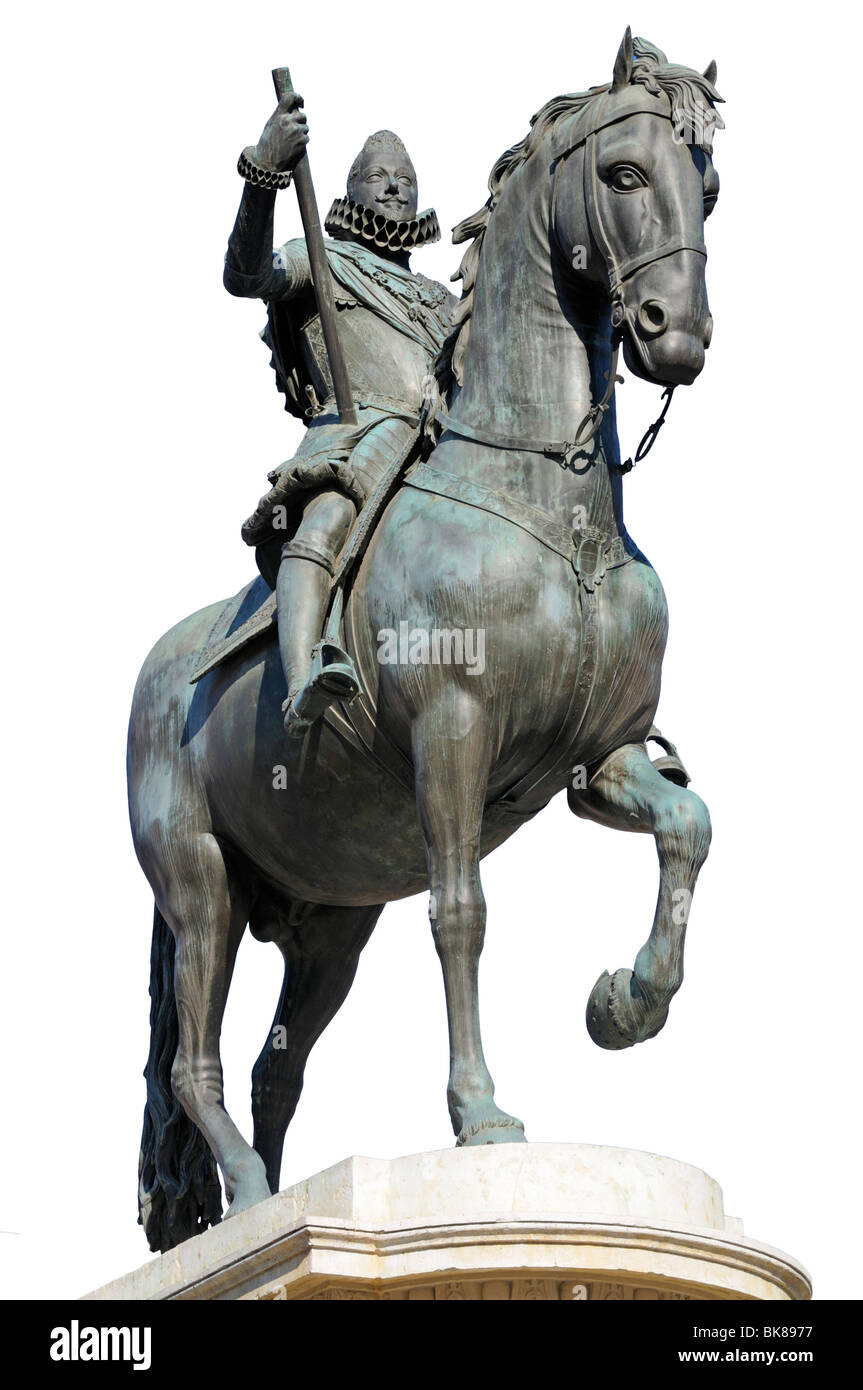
point(504, 1221)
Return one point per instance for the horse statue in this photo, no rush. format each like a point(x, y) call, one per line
point(510, 530)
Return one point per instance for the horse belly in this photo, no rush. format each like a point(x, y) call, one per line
point(315, 817)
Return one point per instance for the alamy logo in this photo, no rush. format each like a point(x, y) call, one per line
point(78, 1343)
point(693, 126)
point(438, 646)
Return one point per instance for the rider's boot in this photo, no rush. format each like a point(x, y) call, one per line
point(317, 670)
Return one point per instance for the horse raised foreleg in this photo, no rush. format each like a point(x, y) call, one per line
point(208, 913)
point(628, 793)
point(451, 758)
point(321, 948)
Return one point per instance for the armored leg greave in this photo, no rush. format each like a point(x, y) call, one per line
point(316, 672)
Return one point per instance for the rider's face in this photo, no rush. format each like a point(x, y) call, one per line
point(386, 183)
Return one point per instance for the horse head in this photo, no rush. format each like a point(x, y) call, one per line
point(633, 182)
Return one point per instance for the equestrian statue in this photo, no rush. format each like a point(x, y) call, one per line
point(450, 624)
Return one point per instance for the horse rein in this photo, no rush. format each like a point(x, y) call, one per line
point(593, 419)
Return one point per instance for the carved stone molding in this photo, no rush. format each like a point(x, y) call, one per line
point(486, 1290)
point(517, 1222)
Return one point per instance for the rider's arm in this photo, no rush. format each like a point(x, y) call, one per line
point(253, 269)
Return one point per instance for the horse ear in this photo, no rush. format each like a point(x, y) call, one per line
point(622, 75)
point(710, 72)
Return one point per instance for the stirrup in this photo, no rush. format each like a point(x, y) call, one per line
point(670, 766)
point(333, 672)
point(333, 676)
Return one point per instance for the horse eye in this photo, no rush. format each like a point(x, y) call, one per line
point(625, 179)
point(709, 203)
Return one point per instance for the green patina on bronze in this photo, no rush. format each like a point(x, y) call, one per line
point(524, 628)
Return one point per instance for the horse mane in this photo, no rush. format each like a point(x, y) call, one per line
point(691, 93)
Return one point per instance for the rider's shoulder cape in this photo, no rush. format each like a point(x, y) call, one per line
point(412, 304)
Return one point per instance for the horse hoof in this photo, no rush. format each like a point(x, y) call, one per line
point(617, 1016)
point(604, 1011)
point(499, 1129)
point(242, 1202)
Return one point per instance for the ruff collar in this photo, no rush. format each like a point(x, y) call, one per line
point(347, 216)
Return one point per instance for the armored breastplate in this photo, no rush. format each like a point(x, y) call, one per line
point(381, 361)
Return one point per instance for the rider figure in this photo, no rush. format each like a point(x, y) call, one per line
point(391, 323)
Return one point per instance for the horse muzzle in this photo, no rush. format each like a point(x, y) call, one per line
point(674, 360)
point(667, 322)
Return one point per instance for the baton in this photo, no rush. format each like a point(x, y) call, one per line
point(321, 277)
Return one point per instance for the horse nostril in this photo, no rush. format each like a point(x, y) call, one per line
point(652, 318)
point(708, 331)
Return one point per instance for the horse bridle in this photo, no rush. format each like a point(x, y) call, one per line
point(575, 134)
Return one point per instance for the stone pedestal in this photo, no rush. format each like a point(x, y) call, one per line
point(505, 1221)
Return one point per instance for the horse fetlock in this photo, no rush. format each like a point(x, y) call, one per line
point(620, 1012)
point(658, 973)
point(468, 1088)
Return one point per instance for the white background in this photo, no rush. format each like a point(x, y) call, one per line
point(143, 419)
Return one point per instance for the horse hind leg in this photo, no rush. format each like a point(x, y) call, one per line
point(179, 1193)
point(321, 948)
point(451, 758)
point(628, 793)
point(207, 911)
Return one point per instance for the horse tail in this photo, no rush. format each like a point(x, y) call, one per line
point(179, 1194)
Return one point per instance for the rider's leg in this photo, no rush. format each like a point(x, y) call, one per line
point(303, 591)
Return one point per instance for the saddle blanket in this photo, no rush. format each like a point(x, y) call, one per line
point(246, 616)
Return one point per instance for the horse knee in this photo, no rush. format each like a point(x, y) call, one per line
point(682, 826)
point(458, 924)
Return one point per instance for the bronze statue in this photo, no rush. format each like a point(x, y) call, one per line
point(508, 538)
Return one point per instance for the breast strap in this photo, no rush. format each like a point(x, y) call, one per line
point(556, 448)
point(608, 552)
